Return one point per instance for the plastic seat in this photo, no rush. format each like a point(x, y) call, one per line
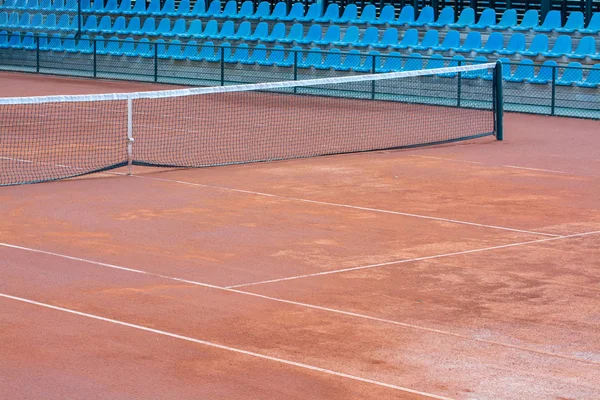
point(562, 46)
point(262, 11)
point(97, 6)
point(370, 37)
point(134, 26)
point(456, 61)
point(142, 49)
point(227, 30)
point(350, 14)
point(246, 10)
point(167, 8)
point(451, 40)
point(538, 45)
point(24, 20)
point(127, 47)
point(389, 38)
point(531, 19)
point(331, 13)
point(65, 24)
point(466, 18)
point(277, 33)
point(494, 43)
point(407, 15)
point(213, 9)
point(207, 52)
point(572, 74)
point(507, 21)
point(85, 45)
point(350, 36)
point(593, 78)
point(123, 8)
point(297, 11)
point(277, 54)
point(545, 73)
point(112, 47)
point(229, 10)
point(313, 58)
point(13, 19)
point(244, 30)
point(368, 14)
point(182, 9)
point(3, 18)
point(435, 61)
point(91, 23)
point(410, 38)
point(153, 8)
point(332, 59)
point(105, 25)
point(194, 30)
point(110, 6)
point(314, 12)
point(178, 28)
point(523, 72)
point(314, 33)
point(551, 22)
point(190, 51)
point(120, 26)
point(477, 73)
point(261, 32)
point(4, 39)
point(36, 21)
point(295, 55)
point(198, 9)
point(173, 50)
point(331, 35)
point(148, 28)
point(160, 47)
point(486, 19)
point(210, 29)
point(593, 26)
point(50, 22)
point(414, 62)
point(372, 62)
point(386, 15)
point(352, 61)
point(574, 23)
point(516, 43)
point(14, 41)
point(280, 10)
point(164, 26)
point(446, 17)
point(431, 39)
point(426, 17)
point(392, 62)
point(472, 42)
point(586, 47)
point(258, 54)
point(45, 5)
point(296, 33)
point(28, 42)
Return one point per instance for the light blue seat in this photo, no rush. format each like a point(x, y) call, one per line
point(562, 46)
point(98, 43)
point(538, 45)
point(36, 21)
point(507, 21)
point(120, 25)
point(551, 22)
point(110, 6)
point(151, 50)
point(386, 16)
point(179, 27)
point(332, 59)
point(297, 11)
point(430, 40)
point(392, 62)
point(174, 50)
point(258, 54)
point(314, 33)
point(593, 78)
point(486, 19)
point(410, 38)
point(277, 54)
point(45, 5)
point(372, 62)
point(370, 37)
point(477, 73)
point(351, 62)
point(516, 44)
point(466, 18)
point(68, 44)
point(190, 51)
point(595, 56)
point(446, 17)
point(523, 72)
point(425, 17)
point(572, 74)
point(350, 13)
point(331, 35)
point(207, 52)
point(105, 25)
point(28, 42)
point(8, 4)
point(350, 36)
point(313, 58)
point(148, 28)
point(19, 4)
point(124, 7)
point(161, 47)
point(368, 14)
point(210, 29)
point(4, 39)
point(277, 33)
point(263, 10)
point(90, 25)
point(414, 62)
point(182, 9)
point(314, 12)
point(261, 32)
point(167, 8)
point(15, 41)
point(194, 30)
point(227, 30)
point(213, 9)
point(494, 43)
point(246, 10)
point(153, 8)
point(389, 38)
point(585, 48)
point(143, 48)
point(451, 40)
point(97, 6)
point(295, 55)
point(436, 61)
point(296, 33)
point(3, 18)
point(545, 73)
point(196, 11)
point(407, 15)
point(127, 47)
point(229, 10)
point(472, 42)
point(456, 61)
point(531, 20)
point(65, 24)
point(13, 19)
point(593, 26)
point(134, 26)
point(85, 45)
point(574, 23)
point(244, 30)
point(280, 10)
point(506, 70)
point(50, 22)
point(331, 13)
point(111, 47)
point(24, 20)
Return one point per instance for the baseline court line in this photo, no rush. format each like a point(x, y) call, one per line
point(223, 347)
point(377, 210)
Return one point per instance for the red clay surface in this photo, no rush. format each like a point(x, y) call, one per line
point(467, 271)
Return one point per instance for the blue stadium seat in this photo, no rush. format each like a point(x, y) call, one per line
point(3, 18)
point(314, 33)
point(223, 50)
point(127, 47)
point(263, 9)
point(227, 30)
point(294, 55)
point(207, 52)
point(574, 23)
point(196, 11)
point(24, 20)
point(134, 26)
point(65, 24)
point(507, 21)
point(370, 36)
point(45, 5)
point(407, 15)
point(153, 8)
point(190, 51)
point(105, 25)
point(494, 43)
point(120, 25)
point(142, 49)
point(414, 62)
point(478, 73)
point(445, 18)
point(331, 13)
point(456, 61)
point(148, 28)
point(431, 39)
point(258, 54)
point(244, 30)
point(389, 38)
point(277, 54)
point(241, 53)
point(350, 36)
point(531, 20)
point(8, 4)
point(4, 40)
point(313, 58)
point(138, 9)
point(314, 12)
point(297, 11)
point(585, 48)
point(246, 10)
point(277, 33)
point(466, 18)
point(551, 22)
point(515, 44)
point(426, 17)
point(486, 19)
point(296, 33)
point(372, 62)
point(544, 75)
point(472, 42)
point(13, 19)
point(435, 61)
point(213, 9)
point(593, 26)
point(506, 73)
point(331, 35)
point(179, 27)
point(387, 15)
point(410, 38)
point(523, 72)
point(161, 47)
point(91, 23)
point(350, 13)
point(97, 6)
point(332, 59)
point(15, 41)
point(85, 45)
point(19, 4)
point(110, 6)
point(194, 30)
point(210, 29)
point(167, 8)
point(369, 14)
point(50, 22)
point(593, 78)
point(36, 21)
point(538, 45)
point(562, 46)
point(352, 60)
point(279, 11)
point(451, 40)
point(229, 10)
point(28, 42)
point(261, 32)
point(182, 9)
point(392, 62)
point(113, 47)
point(572, 74)
point(124, 7)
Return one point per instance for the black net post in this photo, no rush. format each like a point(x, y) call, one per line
point(499, 101)
point(553, 93)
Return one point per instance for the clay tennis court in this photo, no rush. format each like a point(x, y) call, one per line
point(463, 271)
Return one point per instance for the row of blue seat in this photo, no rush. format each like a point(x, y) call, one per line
point(313, 58)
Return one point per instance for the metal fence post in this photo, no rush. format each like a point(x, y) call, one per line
point(95, 52)
point(553, 100)
point(295, 69)
point(222, 55)
point(499, 100)
point(79, 18)
point(37, 54)
point(373, 71)
point(155, 62)
point(459, 91)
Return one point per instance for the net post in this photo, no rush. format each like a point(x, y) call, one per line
point(95, 52)
point(129, 135)
point(295, 69)
point(553, 99)
point(37, 54)
point(155, 62)
point(373, 71)
point(222, 59)
point(459, 89)
point(499, 100)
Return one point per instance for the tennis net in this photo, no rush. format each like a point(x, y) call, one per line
point(57, 137)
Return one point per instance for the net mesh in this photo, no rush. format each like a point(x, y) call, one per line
point(56, 137)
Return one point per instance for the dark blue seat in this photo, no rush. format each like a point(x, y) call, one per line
point(445, 18)
point(431, 39)
point(574, 23)
point(466, 18)
point(389, 38)
point(551, 22)
point(523, 72)
point(407, 15)
point(425, 17)
point(486, 19)
point(507, 21)
point(585, 48)
point(572, 74)
point(538, 45)
point(351, 36)
point(410, 38)
point(545, 73)
point(562, 46)
point(451, 40)
point(593, 78)
point(531, 19)
point(494, 43)
point(516, 44)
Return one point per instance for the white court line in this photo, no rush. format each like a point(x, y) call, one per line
point(320, 308)
point(377, 210)
point(223, 347)
point(337, 271)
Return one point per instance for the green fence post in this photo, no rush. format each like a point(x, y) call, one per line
point(373, 71)
point(222, 55)
point(553, 100)
point(95, 53)
point(459, 91)
point(295, 69)
point(499, 100)
point(155, 62)
point(37, 54)
point(79, 18)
